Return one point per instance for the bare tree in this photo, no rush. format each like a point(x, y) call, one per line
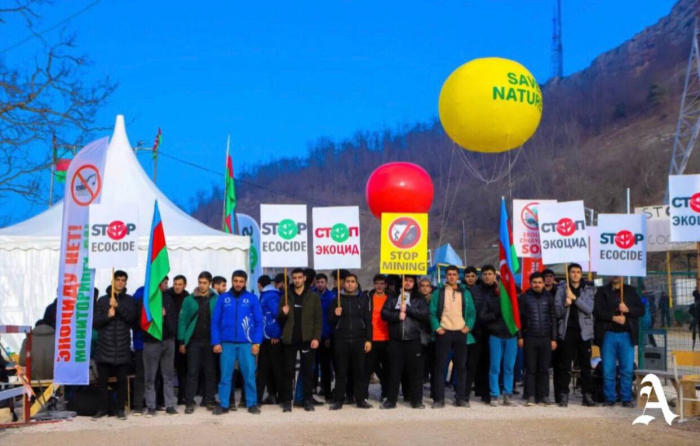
point(43, 106)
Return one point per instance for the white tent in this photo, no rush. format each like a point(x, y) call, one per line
point(29, 250)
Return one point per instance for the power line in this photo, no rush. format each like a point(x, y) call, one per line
point(51, 28)
point(254, 185)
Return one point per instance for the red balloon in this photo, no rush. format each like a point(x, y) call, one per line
point(399, 188)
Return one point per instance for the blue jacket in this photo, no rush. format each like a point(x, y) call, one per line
point(270, 303)
point(237, 319)
point(326, 300)
point(136, 332)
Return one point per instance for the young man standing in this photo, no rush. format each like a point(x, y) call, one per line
point(270, 361)
point(377, 360)
point(539, 333)
point(452, 313)
point(478, 352)
point(503, 345)
point(194, 337)
point(352, 340)
point(617, 310)
point(236, 333)
point(113, 319)
point(324, 354)
point(302, 323)
point(406, 317)
point(219, 285)
point(178, 293)
point(575, 313)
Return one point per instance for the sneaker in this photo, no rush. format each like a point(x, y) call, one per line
point(203, 403)
point(211, 406)
point(309, 406)
point(418, 405)
point(160, 408)
point(493, 402)
point(316, 402)
point(121, 415)
point(137, 412)
point(181, 402)
point(564, 400)
point(609, 404)
point(150, 413)
point(438, 404)
point(242, 404)
point(529, 402)
point(220, 410)
point(545, 402)
point(364, 405)
point(98, 415)
point(627, 405)
point(459, 403)
point(171, 411)
point(388, 405)
point(466, 404)
point(335, 406)
point(189, 409)
point(286, 407)
point(349, 400)
point(507, 400)
point(255, 410)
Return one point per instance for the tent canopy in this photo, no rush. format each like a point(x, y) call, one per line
point(29, 250)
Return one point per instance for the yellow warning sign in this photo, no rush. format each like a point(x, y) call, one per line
point(404, 248)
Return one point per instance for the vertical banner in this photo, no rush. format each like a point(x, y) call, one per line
point(684, 198)
point(336, 237)
point(75, 277)
point(526, 228)
point(622, 245)
point(404, 244)
point(563, 232)
point(114, 235)
point(247, 226)
point(284, 240)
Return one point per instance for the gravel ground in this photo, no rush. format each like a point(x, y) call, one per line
point(351, 426)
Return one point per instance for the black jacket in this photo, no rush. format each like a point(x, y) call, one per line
point(606, 306)
point(355, 323)
point(417, 315)
point(481, 294)
point(492, 318)
point(177, 299)
point(538, 316)
point(169, 320)
point(114, 334)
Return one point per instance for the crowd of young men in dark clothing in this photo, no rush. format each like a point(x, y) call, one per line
point(405, 333)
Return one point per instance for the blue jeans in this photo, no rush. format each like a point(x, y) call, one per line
point(246, 362)
point(617, 347)
point(502, 351)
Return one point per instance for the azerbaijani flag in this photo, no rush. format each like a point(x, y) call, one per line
point(157, 269)
point(508, 263)
point(158, 141)
point(229, 195)
point(62, 165)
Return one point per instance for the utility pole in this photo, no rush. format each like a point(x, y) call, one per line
point(689, 117)
point(557, 46)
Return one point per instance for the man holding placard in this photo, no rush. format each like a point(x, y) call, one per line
point(617, 310)
point(574, 305)
point(300, 315)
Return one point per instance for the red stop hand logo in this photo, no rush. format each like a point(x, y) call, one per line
point(624, 239)
point(116, 230)
point(566, 227)
point(695, 202)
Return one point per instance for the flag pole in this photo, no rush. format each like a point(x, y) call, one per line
point(338, 286)
point(286, 291)
point(668, 279)
point(53, 171)
point(403, 288)
point(223, 210)
point(112, 289)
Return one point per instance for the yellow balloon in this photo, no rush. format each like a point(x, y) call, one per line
point(490, 105)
